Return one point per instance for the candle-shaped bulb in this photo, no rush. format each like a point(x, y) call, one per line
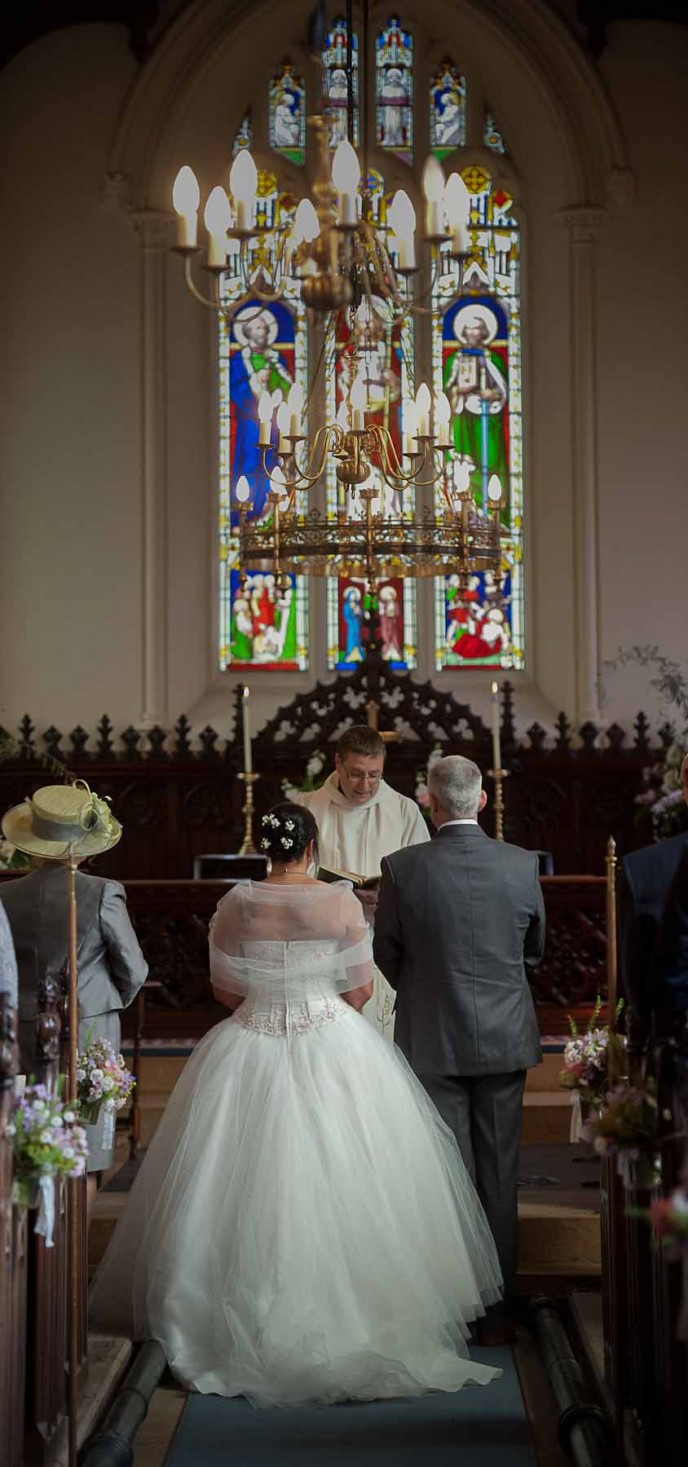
point(433, 188)
point(295, 405)
point(306, 225)
point(346, 176)
point(217, 218)
point(423, 401)
point(457, 204)
point(243, 493)
point(494, 492)
point(278, 481)
point(265, 419)
point(401, 217)
point(342, 419)
point(283, 420)
point(357, 398)
point(243, 183)
point(186, 197)
point(410, 423)
point(442, 417)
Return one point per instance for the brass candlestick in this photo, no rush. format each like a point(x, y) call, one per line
point(499, 775)
point(247, 847)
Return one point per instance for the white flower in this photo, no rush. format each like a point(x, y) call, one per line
point(286, 842)
point(289, 824)
point(265, 844)
point(315, 764)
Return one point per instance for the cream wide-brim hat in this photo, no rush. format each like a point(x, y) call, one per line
point(61, 820)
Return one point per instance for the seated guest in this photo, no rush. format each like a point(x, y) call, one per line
point(111, 966)
point(646, 880)
point(670, 969)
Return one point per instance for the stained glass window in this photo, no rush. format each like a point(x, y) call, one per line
point(394, 90)
point(477, 360)
point(492, 137)
point(263, 347)
point(447, 110)
point(335, 90)
point(371, 350)
point(287, 104)
point(244, 135)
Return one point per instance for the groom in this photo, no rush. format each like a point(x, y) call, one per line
point(458, 924)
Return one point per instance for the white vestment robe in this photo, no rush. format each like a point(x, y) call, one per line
point(356, 837)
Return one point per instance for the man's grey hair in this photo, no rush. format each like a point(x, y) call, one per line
point(456, 784)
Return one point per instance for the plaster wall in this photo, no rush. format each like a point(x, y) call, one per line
point(71, 544)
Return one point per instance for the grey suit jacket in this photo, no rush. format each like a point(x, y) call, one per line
point(111, 964)
point(458, 921)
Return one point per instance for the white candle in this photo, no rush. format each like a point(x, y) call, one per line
point(246, 720)
point(496, 713)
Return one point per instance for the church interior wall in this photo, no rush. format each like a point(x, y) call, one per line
point(72, 565)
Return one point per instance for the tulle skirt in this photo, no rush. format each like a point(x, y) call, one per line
point(302, 1227)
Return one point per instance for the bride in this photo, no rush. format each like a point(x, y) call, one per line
point(302, 1227)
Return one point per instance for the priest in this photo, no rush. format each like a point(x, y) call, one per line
point(361, 819)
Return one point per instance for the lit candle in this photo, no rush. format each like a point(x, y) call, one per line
point(246, 721)
point(433, 188)
point(496, 748)
point(186, 196)
point(217, 218)
point(442, 417)
point(346, 176)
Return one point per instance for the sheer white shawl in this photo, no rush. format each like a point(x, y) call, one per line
point(263, 937)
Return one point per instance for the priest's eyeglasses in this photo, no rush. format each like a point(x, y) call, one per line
point(364, 778)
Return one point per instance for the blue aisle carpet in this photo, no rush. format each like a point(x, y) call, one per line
point(480, 1426)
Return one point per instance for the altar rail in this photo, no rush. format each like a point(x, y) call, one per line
point(172, 917)
point(178, 795)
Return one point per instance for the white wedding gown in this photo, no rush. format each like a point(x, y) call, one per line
point(302, 1227)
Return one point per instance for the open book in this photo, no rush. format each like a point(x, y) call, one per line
point(364, 883)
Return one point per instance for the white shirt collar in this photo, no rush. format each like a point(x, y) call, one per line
point(468, 820)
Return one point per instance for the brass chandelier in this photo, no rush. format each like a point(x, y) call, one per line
point(341, 260)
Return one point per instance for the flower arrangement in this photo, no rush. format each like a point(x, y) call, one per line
point(587, 1057)
point(661, 796)
point(669, 1218)
point(48, 1142)
point(11, 859)
point(626, 1127)
point(103, 1081)
point(312, 780)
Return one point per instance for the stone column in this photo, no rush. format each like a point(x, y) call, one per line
point(153, 229)
point(582, 223)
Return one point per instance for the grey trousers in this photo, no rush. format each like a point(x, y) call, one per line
point(484, 1113)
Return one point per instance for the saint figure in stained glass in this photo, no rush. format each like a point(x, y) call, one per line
point(476, 383)
point(263, 621)
point(288, 114)
point(335, 85)
point(394, 87)
point(261, 360)
point(477, 620)
point(447, 110)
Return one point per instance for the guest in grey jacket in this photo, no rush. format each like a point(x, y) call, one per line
point(458, 924)
point(111, 966)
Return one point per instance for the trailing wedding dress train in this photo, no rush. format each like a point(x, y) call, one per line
point(302, 1227)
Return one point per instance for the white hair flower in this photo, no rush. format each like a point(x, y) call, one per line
point(286, 842)
point(289, 824)
point(265, 844)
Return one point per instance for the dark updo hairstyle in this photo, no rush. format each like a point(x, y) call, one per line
point(286, 830)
